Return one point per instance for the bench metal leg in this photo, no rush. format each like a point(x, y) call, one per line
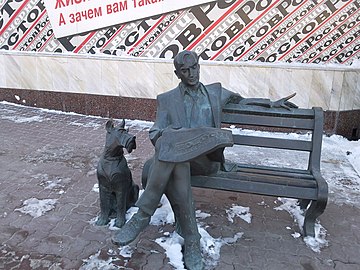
point(312, 213)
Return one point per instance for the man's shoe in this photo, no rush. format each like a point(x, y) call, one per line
point(192, 255)
point(131, 229)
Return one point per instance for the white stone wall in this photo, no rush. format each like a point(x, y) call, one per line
point(330, 87)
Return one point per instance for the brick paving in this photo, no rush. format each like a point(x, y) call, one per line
point(50, 155)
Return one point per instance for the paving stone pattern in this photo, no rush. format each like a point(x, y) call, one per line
point(49, 155)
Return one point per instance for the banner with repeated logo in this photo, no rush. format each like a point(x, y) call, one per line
point(225, 30)
point(71, 17)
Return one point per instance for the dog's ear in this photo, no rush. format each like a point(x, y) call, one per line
point(122, 125)
point(109, 125)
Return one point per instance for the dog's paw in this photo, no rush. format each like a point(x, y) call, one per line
point(120, 222)
point(101, 221)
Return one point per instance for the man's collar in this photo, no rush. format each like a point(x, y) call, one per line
point(186, 90)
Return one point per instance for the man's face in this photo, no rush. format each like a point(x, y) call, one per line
point(189, 72)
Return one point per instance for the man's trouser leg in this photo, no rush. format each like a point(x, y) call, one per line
point(179, 194)
point(147, 203)
point(158, 179)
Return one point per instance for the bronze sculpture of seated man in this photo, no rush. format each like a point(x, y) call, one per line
point(191, 105)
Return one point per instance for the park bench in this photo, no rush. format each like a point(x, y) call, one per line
point(307, 185)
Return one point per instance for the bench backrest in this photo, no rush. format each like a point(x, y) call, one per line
point(308, 120)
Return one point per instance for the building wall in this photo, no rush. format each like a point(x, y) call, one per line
point(127, 87)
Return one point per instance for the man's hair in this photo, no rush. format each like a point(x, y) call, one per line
point(179, 59)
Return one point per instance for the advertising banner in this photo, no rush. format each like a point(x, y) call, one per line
point(318, 31)
point(77, 16)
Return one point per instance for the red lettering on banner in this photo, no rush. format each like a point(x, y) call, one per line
point(85, 15)
point(59, 4)
point(61, 19)
point(141, 3)
point(65, 3)
point(116, 7)
point(225, 30)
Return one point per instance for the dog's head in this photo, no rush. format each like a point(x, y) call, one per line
point(119, 137)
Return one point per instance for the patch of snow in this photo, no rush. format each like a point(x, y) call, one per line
point(172, 243)
point(201, 215)
point(210, 247)
point(296, 235)
point(95, 188)
point(139, 123)
point(43, 264)
point(340, 167)
point(126, 251)
point(21, 119)
point(315, 243)
point(239, 211)
point(55, 183)
point(164, 214)
point(36, 208)
point(87, 125)
point(95, 262)
point(340, 161)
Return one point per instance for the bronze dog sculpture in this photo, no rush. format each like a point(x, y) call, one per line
point(118, 192)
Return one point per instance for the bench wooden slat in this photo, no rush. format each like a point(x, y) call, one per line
point(276, 169)
point(261, 188)
point(272, 142)
point(268, 121)
point(271, 171)
point(245, 109)
point(286, 180)
point(306, 184)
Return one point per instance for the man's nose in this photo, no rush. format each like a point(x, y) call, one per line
point(192, 72)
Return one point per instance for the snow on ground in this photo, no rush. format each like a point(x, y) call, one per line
point(340, 166)
point(36, 208)
point(96, 261)
point(239, 211)
point(172, 242)
point(315, 243)
point(340, 161)
point(21, 119)
point(88, 125)
point(211, 247)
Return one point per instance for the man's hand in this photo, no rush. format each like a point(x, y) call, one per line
point(284, 103)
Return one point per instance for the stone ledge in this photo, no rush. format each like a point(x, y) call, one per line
point(344, 123)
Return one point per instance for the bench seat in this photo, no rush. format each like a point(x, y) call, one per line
point(306, 185)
